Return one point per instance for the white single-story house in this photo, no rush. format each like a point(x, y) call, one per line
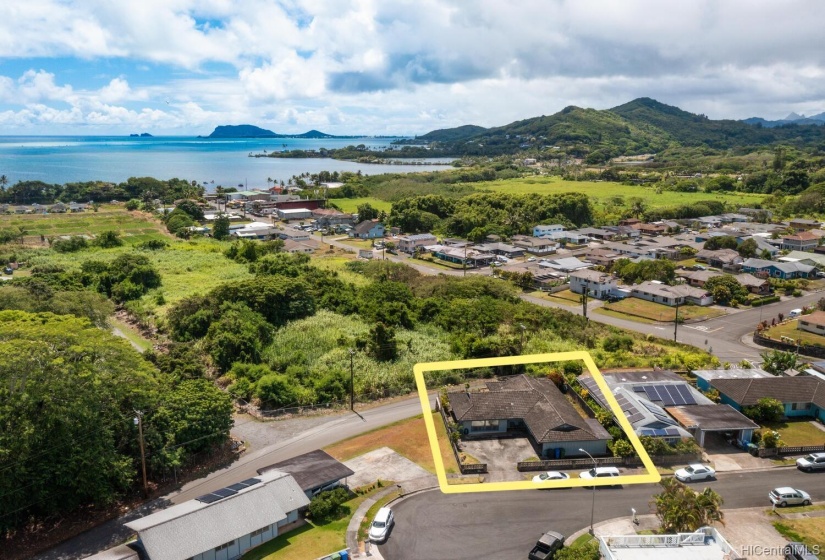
point(287, 214)
point(566, 264)
point(671, 295)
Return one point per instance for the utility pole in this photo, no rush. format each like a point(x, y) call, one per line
point(464, 263)
point(676, 320)
point(139, 421)
point(351, 381)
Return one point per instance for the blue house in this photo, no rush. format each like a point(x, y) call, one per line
point(801, 396)
point(783, 270)
point(368, 229)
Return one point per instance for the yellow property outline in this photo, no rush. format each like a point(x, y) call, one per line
point(651, 476)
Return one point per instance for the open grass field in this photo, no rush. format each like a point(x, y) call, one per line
point(789, 329)
point(338, 264)
point(601, 191)
point(129, 224)
point(407, 438)
point(798, 432)
point(810, 531)
point(351, 205)
point(635, 307)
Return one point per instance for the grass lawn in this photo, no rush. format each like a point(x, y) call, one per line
point(128, 224)
point(661, 312)
point(789, 329)
point(810, 531)
point(311, 540)
point(350, 205)
point(601, 191)
point(407, 438)
point(798, 432)
point(619, 315)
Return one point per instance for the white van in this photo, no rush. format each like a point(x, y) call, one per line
point(795, 313)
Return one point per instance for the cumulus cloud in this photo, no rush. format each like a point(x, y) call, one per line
point(405, 66)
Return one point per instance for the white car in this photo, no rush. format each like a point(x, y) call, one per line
point(381, 525)
point(550, 475)
point(695, 472)
point(787, 496)
point(812, 462)
point(531, 259)
point(599, 472)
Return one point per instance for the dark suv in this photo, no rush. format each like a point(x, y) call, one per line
point(798, 551)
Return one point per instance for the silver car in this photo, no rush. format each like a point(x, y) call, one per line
point(786, 496)
point(812, 462)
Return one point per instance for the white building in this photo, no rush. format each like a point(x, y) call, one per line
point(598, 284)
point(222, 525)
point(287, 214)
point(545, 230)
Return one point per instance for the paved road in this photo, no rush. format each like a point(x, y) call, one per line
point(337, 428)
point(722, 335)
point(506, 524)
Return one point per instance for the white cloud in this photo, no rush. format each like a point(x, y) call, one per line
point(401, 66)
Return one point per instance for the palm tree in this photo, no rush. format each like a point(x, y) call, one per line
point(3, 182)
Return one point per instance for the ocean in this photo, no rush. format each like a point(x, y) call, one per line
point(210, 162)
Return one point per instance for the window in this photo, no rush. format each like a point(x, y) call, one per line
point(483, 425)
point(224, 546)
point(801, 406)
point(260, 531)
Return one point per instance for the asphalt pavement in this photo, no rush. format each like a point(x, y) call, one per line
point(506, 524)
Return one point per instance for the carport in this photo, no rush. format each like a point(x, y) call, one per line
point(703, 419)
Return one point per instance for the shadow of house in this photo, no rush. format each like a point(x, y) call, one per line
point(532, 405)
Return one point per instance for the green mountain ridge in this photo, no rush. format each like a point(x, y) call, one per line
point(639, 126)
point(251, 131)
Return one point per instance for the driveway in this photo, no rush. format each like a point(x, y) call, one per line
point(726, 457)
point(501, 456)
point(383, 464)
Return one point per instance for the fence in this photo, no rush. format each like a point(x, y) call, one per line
point(791, 450)
point(629, 462)
point(806, 349)
point(473, 468)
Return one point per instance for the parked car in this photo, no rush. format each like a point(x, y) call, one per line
point(798, 551)
point(547, 546)
point(786, 496)
point(531, 259)
point(600, 472)
point(550, 475)
point(812, 462)
point(692, 473)
point(795, 313)
point(381, 525)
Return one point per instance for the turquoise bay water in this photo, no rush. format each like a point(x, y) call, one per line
point(65, 159)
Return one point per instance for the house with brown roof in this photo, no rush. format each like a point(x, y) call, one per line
point(651, 229)
point(802, 241)
point(801, 224)
point(813, 323)
point(535, 245)
point(801, 395)
point(754, 285)
point(533, 405)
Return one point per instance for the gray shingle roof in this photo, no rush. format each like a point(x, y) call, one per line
point(546, 412)
point(746, 392)
point(312, 470)
point(190, 528)
point(711, 417)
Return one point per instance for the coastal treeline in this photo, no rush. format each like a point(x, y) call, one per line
point(140, 188)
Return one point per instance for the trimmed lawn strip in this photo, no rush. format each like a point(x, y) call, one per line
point(311, 540)
point(802, 509)
point(364, 528)
point(660, 312)
point(406, 437)
point(798, 433)
point(789, 329)
point(623, 316)
point(810, 531)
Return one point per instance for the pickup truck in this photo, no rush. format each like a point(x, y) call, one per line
point(547, 546)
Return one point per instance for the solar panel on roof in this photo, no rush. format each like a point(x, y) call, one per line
point(686, 394)
point(236, 487)
point(225, 492)
point(209, 498)
point(250, 481)
point(639, 388)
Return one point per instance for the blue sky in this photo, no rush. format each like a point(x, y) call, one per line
point(395, 67)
